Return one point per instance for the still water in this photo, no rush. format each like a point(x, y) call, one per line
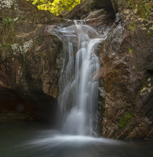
point(38, 140)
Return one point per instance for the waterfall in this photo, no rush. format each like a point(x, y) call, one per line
point(78, 96)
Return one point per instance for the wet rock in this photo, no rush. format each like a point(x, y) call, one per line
point(126, 58)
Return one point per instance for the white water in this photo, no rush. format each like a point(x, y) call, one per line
point(79, 96)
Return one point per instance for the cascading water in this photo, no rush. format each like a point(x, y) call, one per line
point(79, 94)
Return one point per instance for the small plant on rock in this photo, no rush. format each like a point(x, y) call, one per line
point(4, 50)
point(8, 32)
point(125, 120)
point(8, 26)
point(143, 7)
point(132, 27)
point(8, 23)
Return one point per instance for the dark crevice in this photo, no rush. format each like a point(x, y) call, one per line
point(150, 71)
point(33, 105)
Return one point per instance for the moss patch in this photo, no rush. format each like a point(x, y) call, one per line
point(125, 120)
point(8, 33)
point(143, 8)
point(132, 27)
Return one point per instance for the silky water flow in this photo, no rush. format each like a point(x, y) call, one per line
point(78, 97)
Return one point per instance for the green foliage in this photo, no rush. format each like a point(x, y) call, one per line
point(125, 120)
point(55, 6)
point(4, 49)
point(8, 26)
point(144, 7)
point(8, 30)
point(131, 52)
point(8, 23)
point(131, 4)
point(6, 46)
point(132, 27)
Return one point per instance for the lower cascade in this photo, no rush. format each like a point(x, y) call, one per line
point(78, 97)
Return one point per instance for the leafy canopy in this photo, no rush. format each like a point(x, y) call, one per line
point(55, 6)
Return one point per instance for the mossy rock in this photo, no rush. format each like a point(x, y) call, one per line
point(125, 120)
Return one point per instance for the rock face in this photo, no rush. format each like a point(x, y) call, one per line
point(83, 9)
point(127, 73)
point(29, 62)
